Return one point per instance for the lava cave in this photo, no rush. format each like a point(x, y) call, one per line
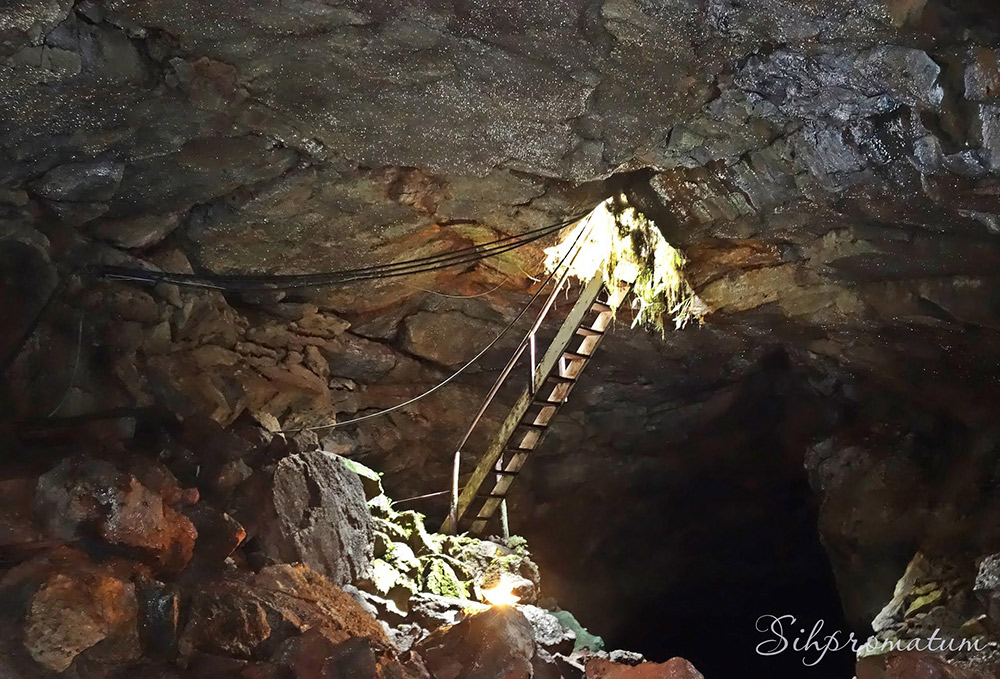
point(589, 339)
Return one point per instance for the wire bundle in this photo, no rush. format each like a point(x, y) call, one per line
point(254, 283)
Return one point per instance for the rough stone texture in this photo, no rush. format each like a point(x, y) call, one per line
point(78, 495)
point(676, 668)
point(497, 643)
point(250, 620)
point(320, 517)
point(829, 168)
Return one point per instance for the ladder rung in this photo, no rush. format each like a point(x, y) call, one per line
point(532, 425)
point(547, 402)
point(576, 356)
point(561, 379)
point(601, 306)
point(520, 450)
point(504, 472)
point(588, 332)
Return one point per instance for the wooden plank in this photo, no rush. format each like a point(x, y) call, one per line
point(547, 365)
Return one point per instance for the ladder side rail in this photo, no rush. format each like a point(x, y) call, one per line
point(548, 363)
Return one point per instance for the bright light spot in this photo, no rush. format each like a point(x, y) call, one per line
point(630, 249)
point(502, 594)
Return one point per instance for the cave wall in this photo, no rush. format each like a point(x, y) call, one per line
point(829, 168)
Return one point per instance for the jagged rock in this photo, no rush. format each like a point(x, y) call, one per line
point(313, 656)
point(498, 643)
point(914, 666)
point(548, 631)
point(676, 668)
point(159, 617)
point(987, 586)
point(318, 516)
point(78, 494)
point(218, 535)
point(75, 607)
point(626, 657)
point(93, 181)
point(250, 619)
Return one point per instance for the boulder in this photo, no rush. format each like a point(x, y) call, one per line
point(79, 495)
point(314, 656)
point(987, 587)
point(914, 666)
point(675, 668)
point(318, 517)
point(548, 631)
point(494, 644)
point(76, 607)
point(250, 619)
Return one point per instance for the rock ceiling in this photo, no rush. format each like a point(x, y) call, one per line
point(831, 168)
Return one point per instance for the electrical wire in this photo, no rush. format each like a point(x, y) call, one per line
point(250, 283)
point(476, 296)
point(466, 366)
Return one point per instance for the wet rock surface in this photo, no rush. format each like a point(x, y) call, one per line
point(828, 168)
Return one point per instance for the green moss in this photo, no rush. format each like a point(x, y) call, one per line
point(439, 578)
point(630, 251)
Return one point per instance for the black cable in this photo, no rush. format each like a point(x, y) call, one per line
point(249, 283)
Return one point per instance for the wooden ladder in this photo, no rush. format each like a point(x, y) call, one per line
point(551, 382)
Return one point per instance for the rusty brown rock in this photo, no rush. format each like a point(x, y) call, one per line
point(78, 494)
point(497, 644)
point(250, 619)
point(82, 609)
point(675, 668)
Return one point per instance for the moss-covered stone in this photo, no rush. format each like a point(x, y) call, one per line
point(440, 578)
point(371, 480)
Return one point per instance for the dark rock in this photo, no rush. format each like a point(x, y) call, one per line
point(87, 181)
point(159, 617)
point(79, 494)
point(914, 666)
point(548, 631)
point(218, 535)
point(251, 619)
point(676, 668)
point(73, 607)
point(497, 642)
point(135, 232)
point(448, 338)
point(319, 517)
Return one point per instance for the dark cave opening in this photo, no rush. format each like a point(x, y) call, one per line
point(712, 619)
point(716, 532)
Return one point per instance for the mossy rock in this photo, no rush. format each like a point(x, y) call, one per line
point(371, 480)
point(440, 578)
point(422, 542)
point(392, 530)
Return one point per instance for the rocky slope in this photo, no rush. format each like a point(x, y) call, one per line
point(190, 551)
